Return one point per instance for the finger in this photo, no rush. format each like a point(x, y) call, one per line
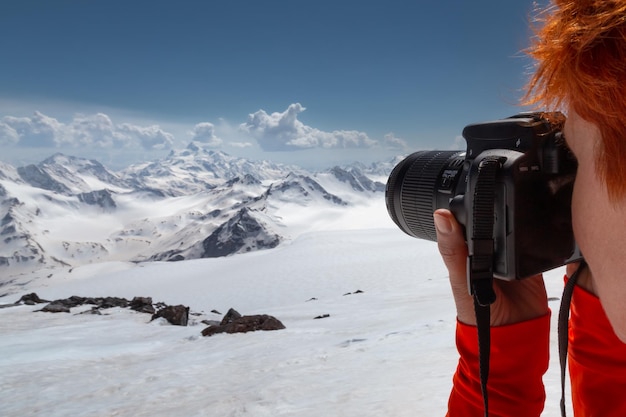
point(453, 250)
point(451, 243)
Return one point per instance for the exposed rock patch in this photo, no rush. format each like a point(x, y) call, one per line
point(233, 322)
point(242, 233)
point(176, 315)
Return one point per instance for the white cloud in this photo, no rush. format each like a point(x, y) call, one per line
point(283, 131)
point(240, 144)
point(36, 131)
point(392, 142)
point(97, 130)
point(8, 135)
point(205, 133)
point(150, 137)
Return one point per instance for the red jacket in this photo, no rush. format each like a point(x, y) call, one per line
point(519, 358)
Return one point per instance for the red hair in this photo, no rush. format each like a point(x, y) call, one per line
point(580, 50)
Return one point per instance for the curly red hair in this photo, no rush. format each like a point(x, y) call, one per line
point(580, 49)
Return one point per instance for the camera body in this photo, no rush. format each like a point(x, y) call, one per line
point(531, 192)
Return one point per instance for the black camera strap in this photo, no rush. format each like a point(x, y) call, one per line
point(480, 276)
point(563, 328)
point(480, 264)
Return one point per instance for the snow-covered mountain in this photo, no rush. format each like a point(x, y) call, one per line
point(197, 169)
point(195, 203)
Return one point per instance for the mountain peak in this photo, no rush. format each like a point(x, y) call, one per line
point(242, 233)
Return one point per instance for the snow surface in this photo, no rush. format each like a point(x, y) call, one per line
point(388, 351)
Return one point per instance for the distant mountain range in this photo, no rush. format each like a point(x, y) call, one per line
point(195, 203)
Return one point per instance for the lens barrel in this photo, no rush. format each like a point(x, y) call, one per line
point(420, 184)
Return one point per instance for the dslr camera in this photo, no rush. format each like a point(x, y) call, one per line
point(522, 202)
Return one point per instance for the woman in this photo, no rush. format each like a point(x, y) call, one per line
point(580, 50)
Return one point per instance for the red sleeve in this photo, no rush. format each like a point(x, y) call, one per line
point(519, 358)
point(597, 360)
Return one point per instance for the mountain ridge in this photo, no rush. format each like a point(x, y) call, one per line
point(68, 211)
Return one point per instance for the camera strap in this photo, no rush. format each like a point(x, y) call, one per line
point(480, 264)
point(480, 277)
point(563, 327)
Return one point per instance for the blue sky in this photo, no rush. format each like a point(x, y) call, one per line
point(309, 82)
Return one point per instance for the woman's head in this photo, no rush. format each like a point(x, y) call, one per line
point(580, 49)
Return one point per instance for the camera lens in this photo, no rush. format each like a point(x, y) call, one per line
point(422, 183)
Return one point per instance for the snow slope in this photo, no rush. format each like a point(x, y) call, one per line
point(386, 351)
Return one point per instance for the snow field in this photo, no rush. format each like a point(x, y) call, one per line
point(387, 351)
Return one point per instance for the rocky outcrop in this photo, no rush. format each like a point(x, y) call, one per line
point(302, 188)
point(142, 305)
point(176, 315)
point(242, 233)
point(357, 180)
point(233, 322)
point(37, 177)
point(102, 198)
point(31, 299)
point(64, 305)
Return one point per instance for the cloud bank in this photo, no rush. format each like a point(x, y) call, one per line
point(284, 132)
point(98, 135)
point(97, 130)
point(205, 133)
point(392, 142)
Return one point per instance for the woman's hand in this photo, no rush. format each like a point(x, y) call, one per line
point(516, 301)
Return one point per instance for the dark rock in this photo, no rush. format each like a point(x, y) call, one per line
point(73, 301)
point(247, 179)
point(142, 305)
point(39, 178)
point(323, 316)
point(110, 302)
point(99, 302)
point(173, 255)
point(55, 308)
point(357, 180)
point(242, 233)
point(8, 230)
point(246, 324)
point(6, 219)
point(102, 198)
point(230, 316)
point(177, 315)
point(94, 310)
point(215, 213)
point(31, 299)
